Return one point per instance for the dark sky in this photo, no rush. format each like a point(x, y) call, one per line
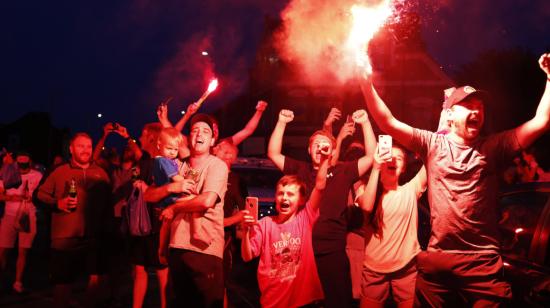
point(120, 58)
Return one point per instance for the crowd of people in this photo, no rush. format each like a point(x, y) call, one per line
point(345, 231)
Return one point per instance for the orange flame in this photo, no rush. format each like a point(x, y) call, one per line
point(367, 20)
point(212, 86)
point(326, 40)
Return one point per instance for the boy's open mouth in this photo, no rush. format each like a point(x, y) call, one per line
point(285, 205)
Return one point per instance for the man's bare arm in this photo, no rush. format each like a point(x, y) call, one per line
point(365, 162)
point(382, 115)
point(199, 203)
point(529, 131)
point(275, 145)
point(251, 126)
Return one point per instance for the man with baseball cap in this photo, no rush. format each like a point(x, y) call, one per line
point(462, 260)
point(196, 267)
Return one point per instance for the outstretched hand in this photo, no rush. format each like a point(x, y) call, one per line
point(334, 115)
point(122, 131)
point(162, 112)
point(248, 220)
point(108, 128)
point(347, 130)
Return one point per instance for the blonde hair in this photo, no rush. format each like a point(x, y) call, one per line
point(170, 133)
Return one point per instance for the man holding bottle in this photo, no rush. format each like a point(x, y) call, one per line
point(81, 223)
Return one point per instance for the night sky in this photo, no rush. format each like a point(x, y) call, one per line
point(76, 59)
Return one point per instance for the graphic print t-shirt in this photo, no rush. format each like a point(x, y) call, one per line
point(287, 274)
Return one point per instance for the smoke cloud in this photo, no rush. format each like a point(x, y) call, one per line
point(313, 37)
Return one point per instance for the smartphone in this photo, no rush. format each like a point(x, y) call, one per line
point(384, 146)
point(251, 204)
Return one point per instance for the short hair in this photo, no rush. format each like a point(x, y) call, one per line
point(293, 180)
point(170, 133)
point(80, 134)
point(153, 128)
point(226, 143)
point(325, 133)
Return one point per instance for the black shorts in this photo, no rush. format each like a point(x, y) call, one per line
point(144, 251)
point(67, 265)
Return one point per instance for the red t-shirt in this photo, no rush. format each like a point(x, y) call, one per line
point(287, 274)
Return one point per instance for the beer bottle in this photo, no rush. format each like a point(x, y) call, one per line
point(72, 193)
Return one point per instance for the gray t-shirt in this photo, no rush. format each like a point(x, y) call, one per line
point(463, 187)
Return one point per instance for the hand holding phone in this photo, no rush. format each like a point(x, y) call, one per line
point(384, 147)
point(251, 204)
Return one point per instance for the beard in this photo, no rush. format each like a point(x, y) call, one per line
point(82, 158)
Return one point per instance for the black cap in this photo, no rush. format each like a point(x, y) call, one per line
point(209, 120)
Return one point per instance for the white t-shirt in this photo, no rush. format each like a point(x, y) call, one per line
point(32, 178)
point(399, 242)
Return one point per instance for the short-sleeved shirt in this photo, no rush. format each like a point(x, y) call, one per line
point(462, 188)
point(397, 243)
point(212, 178)
point(163, 171)
point(329, 232)
point(287, 274)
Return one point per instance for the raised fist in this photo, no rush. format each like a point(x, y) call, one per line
point(544, 62)
point(360, 116)
point(286, 116)
point(261, 106)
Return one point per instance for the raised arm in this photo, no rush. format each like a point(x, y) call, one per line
point(191, 110)
point(365, 162)
point(348, 129)
point(382, 115)
point(421, 179)
point(162, 113)
point(368, 197)
point(107, 129)
point(320, 181)
point(251, 126)
point(246, 250)
point(529, 131)
point(275, 145)
point(333, 115)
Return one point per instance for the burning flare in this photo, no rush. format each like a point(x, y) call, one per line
point(327, 40)
point(211, 88)
point(367, 20)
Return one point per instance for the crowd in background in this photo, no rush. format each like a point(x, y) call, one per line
point(345, 231)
